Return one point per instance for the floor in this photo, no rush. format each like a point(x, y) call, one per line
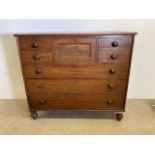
point(139, 118)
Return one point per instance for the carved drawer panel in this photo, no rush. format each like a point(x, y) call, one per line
point(98, 102)
point(74, 50)
point(61, 72)
point(75, 86)
point(42, 43)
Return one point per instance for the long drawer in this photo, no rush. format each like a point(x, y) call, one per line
point(75, 86)
point(61, 72)
point(98, 102)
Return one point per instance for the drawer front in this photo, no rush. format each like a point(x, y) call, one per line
point(34, 57)
point(42, 43)
point(115, 42)
point(73, 86)
point(94, 71)
point(94, 102)
point(74, 50)
point(116, 57)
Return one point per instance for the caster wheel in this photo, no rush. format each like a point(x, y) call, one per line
point(119, 116)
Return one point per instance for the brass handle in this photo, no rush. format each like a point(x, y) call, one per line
point(112, 71)
point(38, 71)
point(34, 44)
point(36, 57)
point(109, 101)
point(42, 101)
point(114, 44)
point(113, 56)
point(110, 85)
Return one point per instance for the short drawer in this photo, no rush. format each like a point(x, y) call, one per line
point(115, 42)
point(75, 86)
point(116, 57)
point(34, 57)
point(61, 72)
point(80, 102)
point(42, 43)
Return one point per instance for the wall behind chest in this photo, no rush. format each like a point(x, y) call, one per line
point(142, 77)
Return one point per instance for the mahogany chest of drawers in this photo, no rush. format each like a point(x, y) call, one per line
point(76, 71)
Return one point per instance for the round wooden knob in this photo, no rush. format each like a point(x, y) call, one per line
point(112, 71)
point(113, 56)
point(42, 101)
point(34, 44)
point(109, 101)
point(38, 71)
point(110, 85)
point(114, 44)
point(36, 57)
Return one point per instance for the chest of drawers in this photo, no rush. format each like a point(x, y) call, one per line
point(76, 71)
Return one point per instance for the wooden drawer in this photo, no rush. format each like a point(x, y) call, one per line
point(75, 86)
point(98, 102)
point(74, 50)
point(61, 72)
point(42, 43)
point(34, 57)
point(115, 42)
point(116, 57)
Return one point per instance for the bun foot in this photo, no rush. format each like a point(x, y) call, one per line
point(34, 115)
point(119, 116)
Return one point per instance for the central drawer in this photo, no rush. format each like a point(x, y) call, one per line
point(87, 102)
point(74, 50)
point(75, 86)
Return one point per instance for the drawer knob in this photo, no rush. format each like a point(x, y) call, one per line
point(38, 71)
point(109, 101)
point(114, 44)
point(36, 57)
point(42, 101)
point(112, 71)
point(113, 56)
point(34, 44)
point(110, 85)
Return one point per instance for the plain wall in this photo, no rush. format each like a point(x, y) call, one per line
point(142, 77)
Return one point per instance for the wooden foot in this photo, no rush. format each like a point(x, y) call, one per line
point(119, 116)
point(34, 115)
